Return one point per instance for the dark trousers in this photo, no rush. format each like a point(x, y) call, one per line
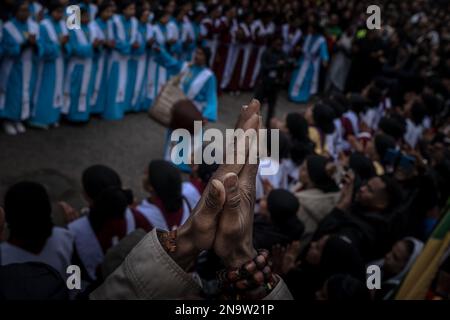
point(267, 92)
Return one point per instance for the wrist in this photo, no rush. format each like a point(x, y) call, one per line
point(186, 252)
point(238, 257)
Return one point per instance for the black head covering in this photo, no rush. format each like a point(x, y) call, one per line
point(343, 287)
point(318, 174)
point(297, 126)
point(361, 165)
point(340, 256)
point(31, 281)
point(383, 143)
point(28, 213)
point(165, 178)
point(97, 178)
point(323, 116)
point(394, 126)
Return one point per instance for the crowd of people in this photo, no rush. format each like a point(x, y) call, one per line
point(364, 172)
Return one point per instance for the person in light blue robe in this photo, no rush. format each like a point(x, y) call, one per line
point(103, 26)
point(163, 32)
point(120, 84)
point(305, 78)
point(78, 89)
point(21, 50)
point(198, 83)
point(138, 61)
point(48, 97)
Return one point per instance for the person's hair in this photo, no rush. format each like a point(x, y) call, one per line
point(54, 5)
point(111, 203)
point(395, 126)
point(103, 6)
point(206, 171)
point(96, 178)
point(340, 255)
point(344, 287)
point(297, 126)
point(165, 179)
point(319, 173)
point(418, 112)
point(207, 53)
point(28, 213)
point(123, 4)
point(393, 192)
point(323, 116)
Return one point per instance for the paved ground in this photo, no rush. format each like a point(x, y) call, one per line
point(57, 157)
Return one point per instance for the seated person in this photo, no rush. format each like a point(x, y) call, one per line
point(32, 235)
point(395, 265)
point(170, 203)
point(110, 218)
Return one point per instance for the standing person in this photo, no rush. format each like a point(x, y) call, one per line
point(48, 97)
point(119, 86)
point(305, 78)
point(33, 237)
point(262, 29)
point(164, 39)
point(341, 63)
point(291, 34)
point(273, 63)
point(77, 91)
point(103, 27)
point(20, 45)
point(211, 26)
point(138, 60)
point(225, 50)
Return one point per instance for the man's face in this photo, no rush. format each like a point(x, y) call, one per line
point(396, 259)
point(315, 250)
point(372, 195)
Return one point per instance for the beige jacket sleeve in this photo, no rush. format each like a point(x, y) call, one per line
point(148, 272)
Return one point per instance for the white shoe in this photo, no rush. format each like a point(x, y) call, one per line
point(20, 127)
point(55, 125)
point(9, 129)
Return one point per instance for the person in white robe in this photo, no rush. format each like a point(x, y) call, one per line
point(48, 95)
point(20, 52)
point(103, 28)
point(305, 78)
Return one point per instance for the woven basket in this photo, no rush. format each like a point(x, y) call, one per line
point(170, 94)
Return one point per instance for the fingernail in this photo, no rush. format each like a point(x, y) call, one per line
point(231, 180)
point(215, 188)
